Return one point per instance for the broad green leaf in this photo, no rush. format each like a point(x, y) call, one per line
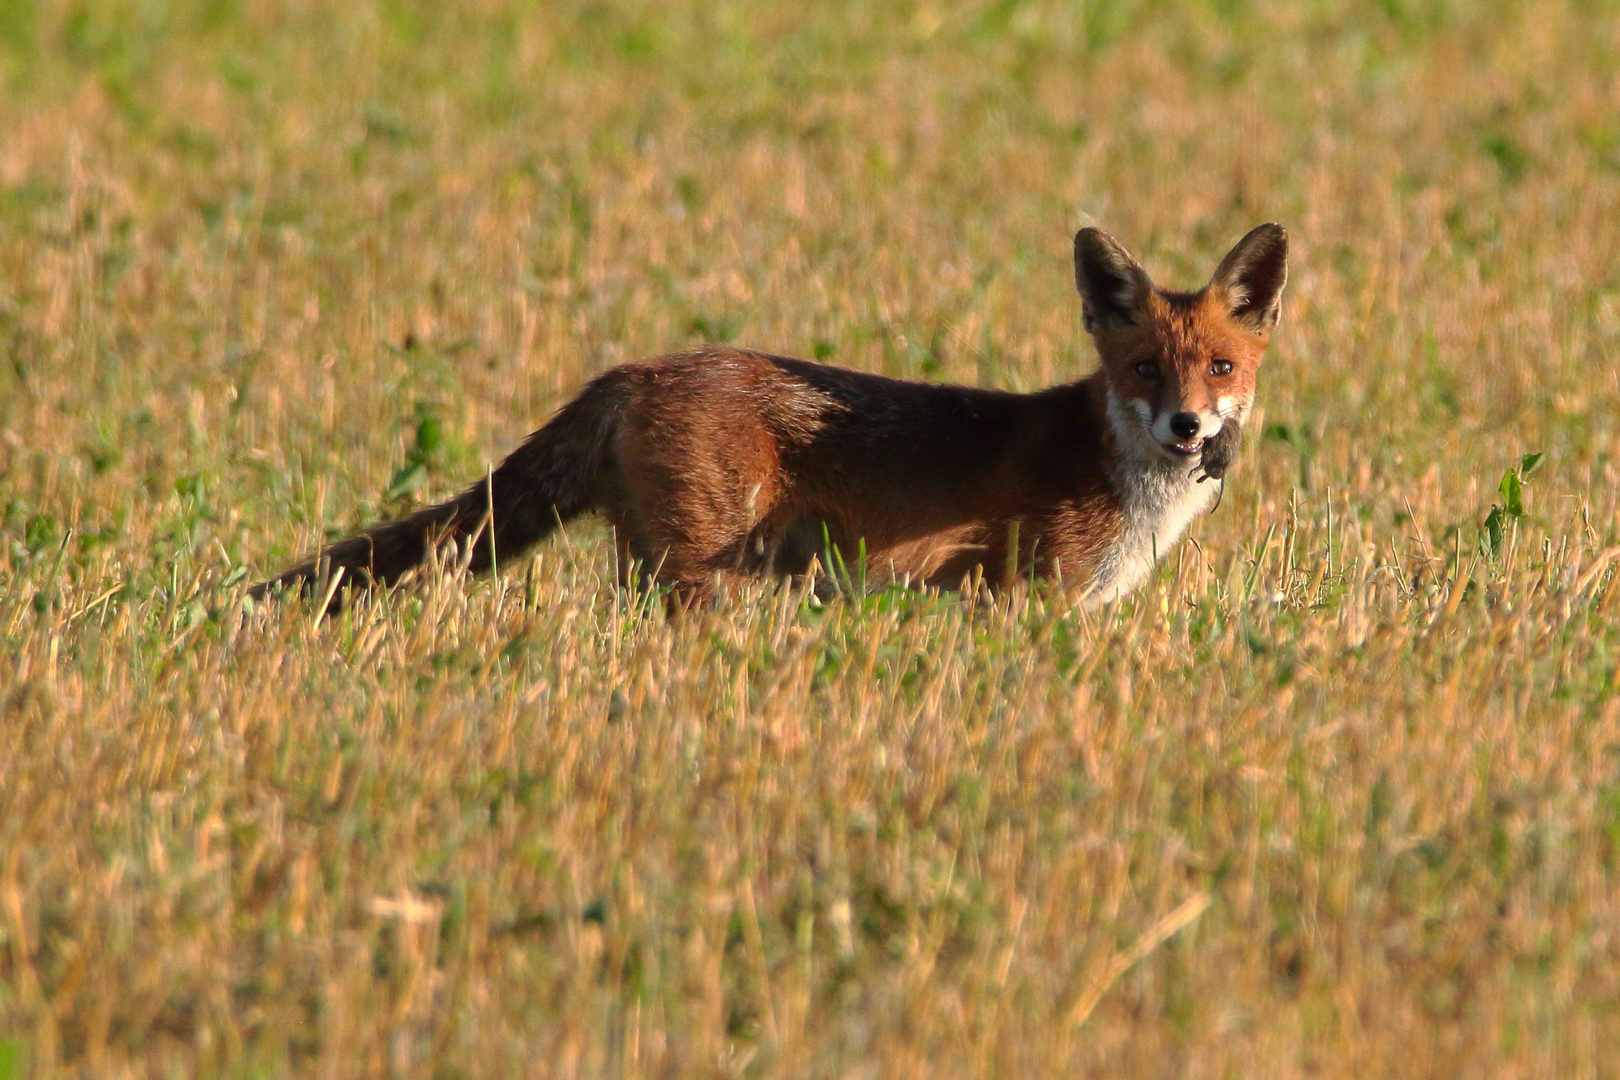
point(1494, 529)
point(1512, 494)
point(13, 1059)
point(406, 481)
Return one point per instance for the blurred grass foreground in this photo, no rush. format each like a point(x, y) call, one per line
point(1336, 795)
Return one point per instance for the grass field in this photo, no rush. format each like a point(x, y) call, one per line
point(1336, 795)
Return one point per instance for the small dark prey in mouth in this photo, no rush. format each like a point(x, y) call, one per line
point(1220, 450)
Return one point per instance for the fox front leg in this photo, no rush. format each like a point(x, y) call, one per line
point(1220, 450)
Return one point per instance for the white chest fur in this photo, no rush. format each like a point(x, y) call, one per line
point(1159, 497)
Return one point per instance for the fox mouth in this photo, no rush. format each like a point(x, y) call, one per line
point(1184, 449)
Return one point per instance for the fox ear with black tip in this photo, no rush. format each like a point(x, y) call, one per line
point(1112, 285)
point(1252, 277)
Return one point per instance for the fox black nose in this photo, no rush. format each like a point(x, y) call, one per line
point(1184, 425)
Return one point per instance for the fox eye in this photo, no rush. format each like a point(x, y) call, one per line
point(1147, 369)
point(1221, 367)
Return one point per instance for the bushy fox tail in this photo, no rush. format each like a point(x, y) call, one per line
point(554, 476)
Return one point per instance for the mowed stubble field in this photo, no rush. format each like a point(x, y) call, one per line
point(1336, 795)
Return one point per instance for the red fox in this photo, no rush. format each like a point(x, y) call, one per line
point(722, 461)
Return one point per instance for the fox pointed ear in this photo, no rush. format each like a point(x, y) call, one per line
point(1252, 276)
point(1112, 284)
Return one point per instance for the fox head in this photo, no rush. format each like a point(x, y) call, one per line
point(1181, 364)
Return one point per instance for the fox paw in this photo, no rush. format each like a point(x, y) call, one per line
point(1220, 450)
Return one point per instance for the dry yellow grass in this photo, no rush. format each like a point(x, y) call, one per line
point(1337, 795)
